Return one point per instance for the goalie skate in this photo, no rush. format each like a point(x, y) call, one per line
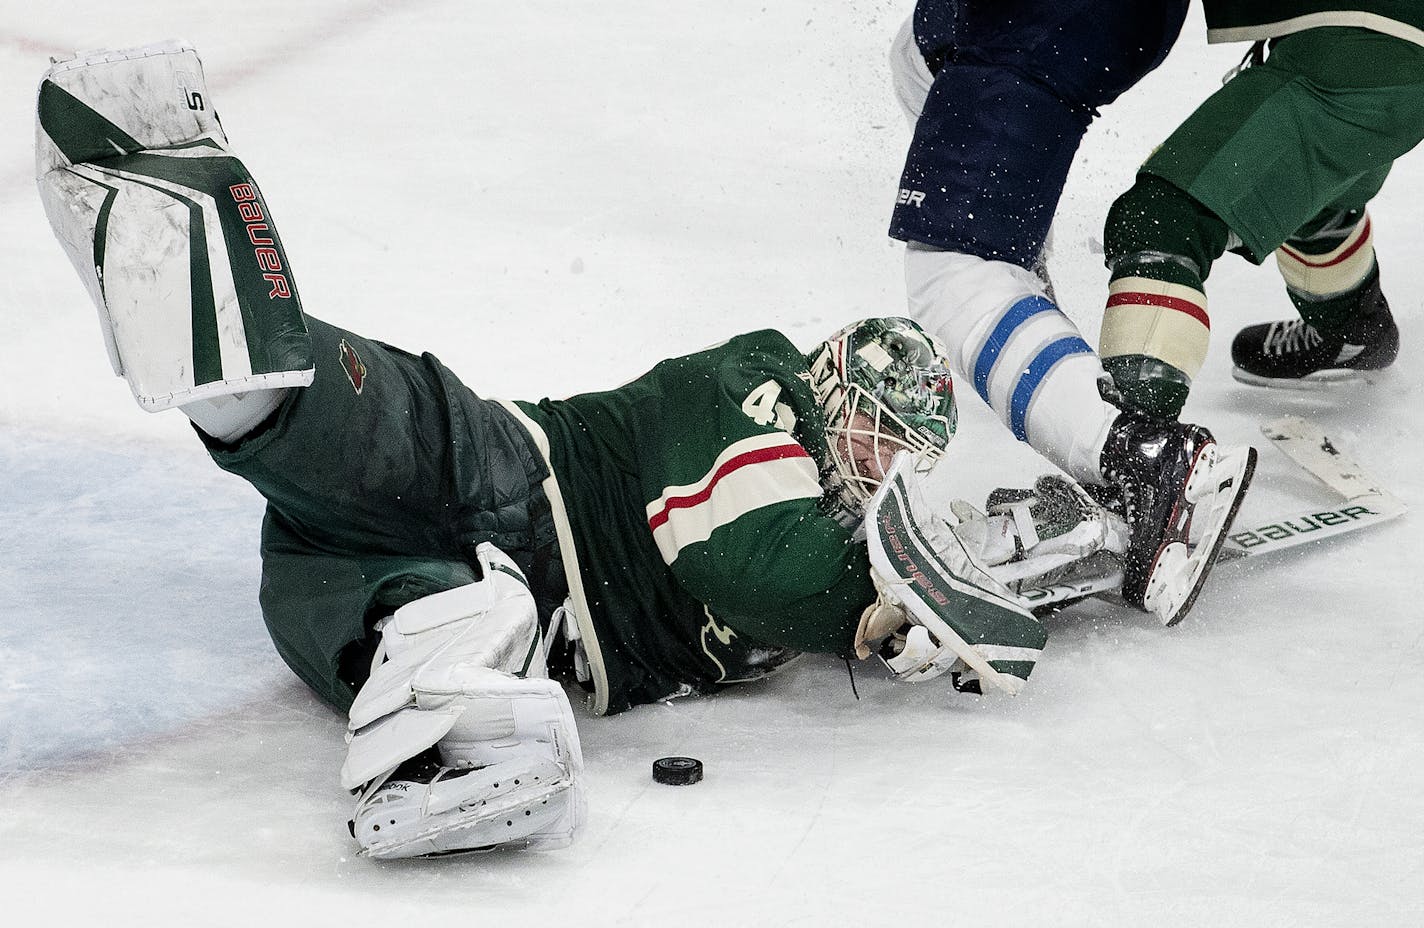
point(1198, 527)
point(436, 811)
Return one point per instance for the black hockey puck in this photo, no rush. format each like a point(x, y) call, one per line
point(677, 771)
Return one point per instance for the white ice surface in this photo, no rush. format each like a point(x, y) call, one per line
point(551, 195)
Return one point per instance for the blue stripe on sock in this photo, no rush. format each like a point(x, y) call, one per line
point(1037, 370)
point(1019, 313)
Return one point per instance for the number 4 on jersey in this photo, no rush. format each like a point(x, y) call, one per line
point(762, 407)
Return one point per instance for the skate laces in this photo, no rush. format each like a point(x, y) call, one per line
point(1290, 336)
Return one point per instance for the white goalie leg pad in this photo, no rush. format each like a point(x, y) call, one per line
point(402, 709)
point(460, 810)
point(512, 774)
point(166, 229)
point(465, 671)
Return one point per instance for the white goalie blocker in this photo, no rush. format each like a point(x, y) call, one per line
point(464, 671)
point(166, 229)
point(939, 608)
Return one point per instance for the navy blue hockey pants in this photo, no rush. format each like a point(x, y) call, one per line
point(1016, 84)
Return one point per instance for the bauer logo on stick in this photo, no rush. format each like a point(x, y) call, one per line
point(1301, 525)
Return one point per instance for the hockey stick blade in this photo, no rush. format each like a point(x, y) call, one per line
point(1306, 443)
point(1364, 502)
point(1311, 525)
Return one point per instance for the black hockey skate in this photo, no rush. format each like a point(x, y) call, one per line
point(1294, 354)
point(1179, 492)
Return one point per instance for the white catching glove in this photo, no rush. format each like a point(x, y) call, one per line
point(1029, 534)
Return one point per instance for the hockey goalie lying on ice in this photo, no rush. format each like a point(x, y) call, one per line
point(431, 557)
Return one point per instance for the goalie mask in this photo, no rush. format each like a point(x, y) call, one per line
point(885, 387)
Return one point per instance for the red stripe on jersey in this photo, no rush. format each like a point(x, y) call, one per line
point(761, 456)
point(1343, 256)
point(1135, 298)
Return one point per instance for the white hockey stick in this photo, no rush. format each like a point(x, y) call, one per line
point(1362, 503)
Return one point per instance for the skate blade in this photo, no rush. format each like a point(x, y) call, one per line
point(1311, 383)
point(1181, 570)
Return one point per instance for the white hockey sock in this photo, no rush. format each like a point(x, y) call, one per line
point(1324, 276)
point(1017, 350)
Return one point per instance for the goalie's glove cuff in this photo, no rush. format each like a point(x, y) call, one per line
point(912, 654)
point(879, 621)
point(906, 647)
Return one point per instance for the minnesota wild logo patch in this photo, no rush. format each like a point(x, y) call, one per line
point(353, 365)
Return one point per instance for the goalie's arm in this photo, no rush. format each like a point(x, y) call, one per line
point(735, 502)
point(783, 574)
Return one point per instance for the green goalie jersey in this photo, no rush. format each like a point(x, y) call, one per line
point(687, 507)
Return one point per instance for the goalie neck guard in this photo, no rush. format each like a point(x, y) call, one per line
point(884, 385)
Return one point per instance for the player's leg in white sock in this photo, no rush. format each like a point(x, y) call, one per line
point(1015, 348)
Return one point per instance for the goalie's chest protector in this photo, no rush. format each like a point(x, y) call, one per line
point(659, 470)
